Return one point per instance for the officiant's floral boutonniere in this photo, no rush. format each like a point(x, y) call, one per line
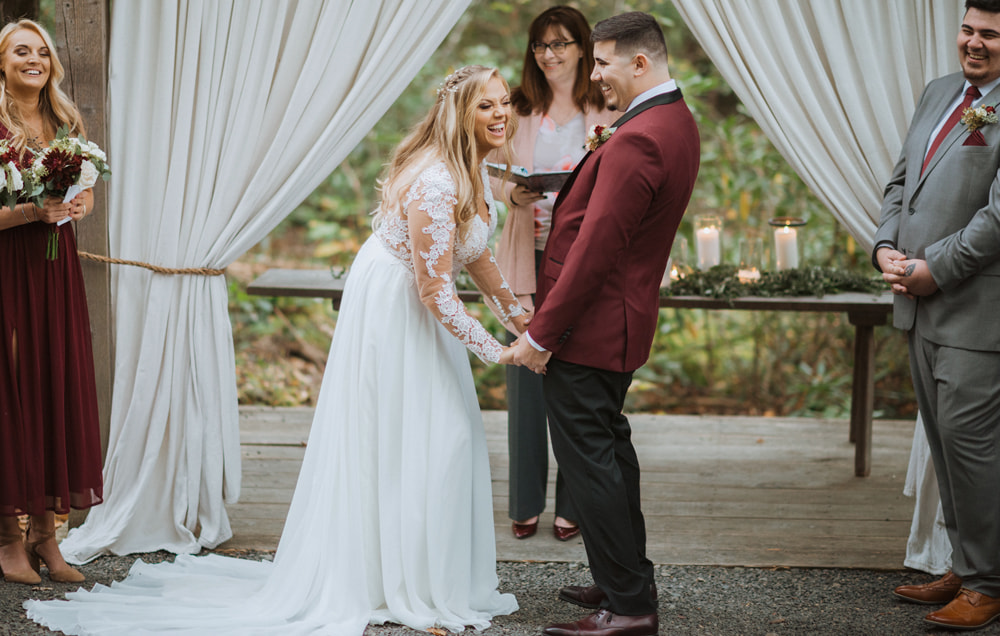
point(975, 118)
point(597, 135)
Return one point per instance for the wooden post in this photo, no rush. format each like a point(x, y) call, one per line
point(82, 41)
point(11, 10)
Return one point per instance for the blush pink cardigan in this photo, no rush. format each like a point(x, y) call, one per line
point(516, 248)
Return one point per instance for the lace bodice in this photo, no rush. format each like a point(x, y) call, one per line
point(423, 237)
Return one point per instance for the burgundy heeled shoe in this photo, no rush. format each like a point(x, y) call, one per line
point(524, 530)
point(565, 533)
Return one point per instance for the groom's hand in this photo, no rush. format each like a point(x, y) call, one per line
point(528, 356)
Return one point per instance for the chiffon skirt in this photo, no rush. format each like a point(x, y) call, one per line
point(392, 517)
point(50, 440)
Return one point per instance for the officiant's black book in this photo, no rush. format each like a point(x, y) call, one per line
point(537, 182)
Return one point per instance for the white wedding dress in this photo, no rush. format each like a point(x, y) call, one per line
point(392, 517)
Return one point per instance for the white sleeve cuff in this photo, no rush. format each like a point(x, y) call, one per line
point(533, 343)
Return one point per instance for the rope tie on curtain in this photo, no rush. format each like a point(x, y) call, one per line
point(183, 271)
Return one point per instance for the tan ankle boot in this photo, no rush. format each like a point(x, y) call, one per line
point(14, 562)
point(42, 543)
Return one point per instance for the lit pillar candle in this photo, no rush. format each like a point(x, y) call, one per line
point(786, 250)
point(748, 275)
point(709, 251)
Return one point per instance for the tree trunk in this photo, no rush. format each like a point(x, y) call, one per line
point(82, 39)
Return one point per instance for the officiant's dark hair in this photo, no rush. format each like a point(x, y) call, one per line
point(990, 6)
point(633, 32)
point(534, 94)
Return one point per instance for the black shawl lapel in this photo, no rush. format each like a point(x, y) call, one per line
point(658, 100)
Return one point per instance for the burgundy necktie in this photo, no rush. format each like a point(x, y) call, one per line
point(971, 94)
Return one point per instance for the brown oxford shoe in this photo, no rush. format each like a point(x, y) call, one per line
point(969, 610)
point(936, 592)
point(589, 596)
point(606, 623)
point(524, 530)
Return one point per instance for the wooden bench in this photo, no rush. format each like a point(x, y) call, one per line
point(864, 311)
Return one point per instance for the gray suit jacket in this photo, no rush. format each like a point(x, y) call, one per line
point(949, 217)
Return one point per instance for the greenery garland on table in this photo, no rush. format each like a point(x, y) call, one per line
point(722, 282)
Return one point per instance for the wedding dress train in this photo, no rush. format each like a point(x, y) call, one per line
point(392, 517)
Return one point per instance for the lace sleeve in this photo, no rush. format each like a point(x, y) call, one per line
point(431, 224)
point(489, 279)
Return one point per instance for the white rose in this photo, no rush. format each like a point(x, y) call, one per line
point(88, 175)
point(37, 168)
point(94, 151)
point(15, 177)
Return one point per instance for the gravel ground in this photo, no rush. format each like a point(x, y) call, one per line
point(693, 599)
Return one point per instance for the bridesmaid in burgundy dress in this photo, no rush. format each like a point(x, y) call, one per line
point(50, 450)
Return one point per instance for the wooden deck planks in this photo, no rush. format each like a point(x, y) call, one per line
point(731, 491)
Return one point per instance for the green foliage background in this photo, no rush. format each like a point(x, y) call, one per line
point(702, 362)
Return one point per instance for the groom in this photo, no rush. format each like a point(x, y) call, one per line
point(597, 304)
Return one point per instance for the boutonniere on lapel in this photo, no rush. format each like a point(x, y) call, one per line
point(975, 118)
point(597, 135)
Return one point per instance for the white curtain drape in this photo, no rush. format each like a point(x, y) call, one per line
point(225, 114)
point(832, 84)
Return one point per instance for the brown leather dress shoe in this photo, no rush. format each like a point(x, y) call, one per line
point(606, 623)
point(565, 533)
point(590, 596)
point(524, 530)
point(936, 592)
point(969, 610)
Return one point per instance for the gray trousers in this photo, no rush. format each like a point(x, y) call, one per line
point(528, 447)
point(528, 444)
point(958, 392)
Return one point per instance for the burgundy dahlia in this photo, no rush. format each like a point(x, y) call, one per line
point(62, 169)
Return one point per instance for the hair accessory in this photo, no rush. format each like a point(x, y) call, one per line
point(452, 80)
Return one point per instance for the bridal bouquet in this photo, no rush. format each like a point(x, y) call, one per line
point(66, 168)
point(16, 180)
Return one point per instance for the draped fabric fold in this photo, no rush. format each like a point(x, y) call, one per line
point(225, 114)
point(832, 84)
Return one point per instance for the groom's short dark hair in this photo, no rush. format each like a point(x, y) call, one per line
point(634, 32)
point(990, 6)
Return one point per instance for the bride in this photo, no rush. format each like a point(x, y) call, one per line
point(392, 517)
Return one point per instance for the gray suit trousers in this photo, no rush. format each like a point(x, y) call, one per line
point(528, 444)
point(958, 391)
point(528, 448)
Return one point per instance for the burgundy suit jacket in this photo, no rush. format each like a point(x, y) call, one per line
point(613, 224)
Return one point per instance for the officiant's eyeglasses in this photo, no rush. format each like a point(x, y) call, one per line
point(557, 47)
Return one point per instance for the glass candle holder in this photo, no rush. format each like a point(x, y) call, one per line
point(751, 258)
point(678, 265)
point(708, 240)
point(786, 241)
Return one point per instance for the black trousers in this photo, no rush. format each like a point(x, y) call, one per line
point(591, 439)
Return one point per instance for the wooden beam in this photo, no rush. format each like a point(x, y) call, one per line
point(11, 10)
point(82, 40)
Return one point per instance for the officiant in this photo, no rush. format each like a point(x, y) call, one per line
point(557, 104)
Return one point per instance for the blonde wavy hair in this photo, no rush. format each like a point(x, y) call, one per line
point(57, 109)
point(446, 134)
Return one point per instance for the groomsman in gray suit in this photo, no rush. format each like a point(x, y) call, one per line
point(938, 247)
